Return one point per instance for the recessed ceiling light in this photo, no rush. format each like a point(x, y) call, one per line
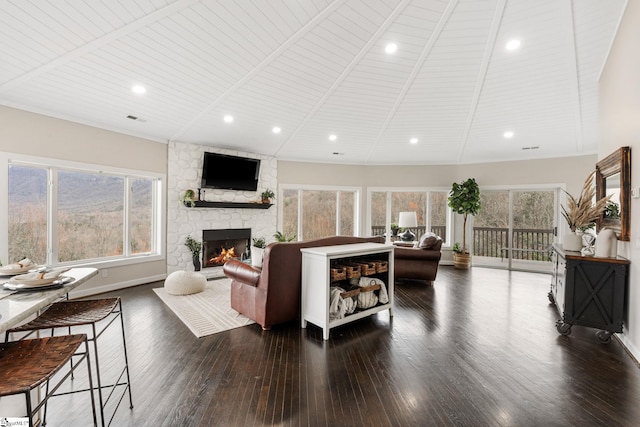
point(413, 140)
point(276, 129)
point(513, 44)
point(228, 118)
point(391, 48)
point(332, 137)
point(139, 89)
point(508, 134)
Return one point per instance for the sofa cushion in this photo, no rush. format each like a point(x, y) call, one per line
point(428, 240)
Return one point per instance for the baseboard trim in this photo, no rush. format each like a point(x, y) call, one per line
point(81, 293)
point(628, 346)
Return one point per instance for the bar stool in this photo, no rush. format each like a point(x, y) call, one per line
point(26, 364)
point(67, 314)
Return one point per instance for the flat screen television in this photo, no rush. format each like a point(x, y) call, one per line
point(230, 172)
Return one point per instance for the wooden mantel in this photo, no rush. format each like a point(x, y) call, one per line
point(222, 205)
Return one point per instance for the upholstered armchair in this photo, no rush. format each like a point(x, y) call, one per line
point(419, 262)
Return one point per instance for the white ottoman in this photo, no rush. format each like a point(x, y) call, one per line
point(184, 283)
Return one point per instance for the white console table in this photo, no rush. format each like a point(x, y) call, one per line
point(316, 281)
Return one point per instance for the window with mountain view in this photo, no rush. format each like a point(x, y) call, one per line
point(89, 214)
point(27, 213)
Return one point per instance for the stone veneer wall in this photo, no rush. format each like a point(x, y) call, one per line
point(184, 172)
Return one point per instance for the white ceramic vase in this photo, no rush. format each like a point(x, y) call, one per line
point(572, 242)
point(256, 256)
point(607, 244)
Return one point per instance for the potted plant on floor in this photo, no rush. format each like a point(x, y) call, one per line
point(195, 246)
point(257, 251)
point(464, 199)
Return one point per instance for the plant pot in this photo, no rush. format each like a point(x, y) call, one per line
point(196, 262)
point(606, 244)
point(461, 261)
point(266, 200)
point(572, 242)
point(256, 256)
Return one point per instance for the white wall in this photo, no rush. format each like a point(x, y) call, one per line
point(568, 172)
point(32, 134)
point(620, 126)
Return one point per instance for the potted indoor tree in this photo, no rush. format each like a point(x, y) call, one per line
point(464, 199)
point(257, 251)
point(195, 246)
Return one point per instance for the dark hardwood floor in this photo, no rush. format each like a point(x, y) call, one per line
point(479, 348)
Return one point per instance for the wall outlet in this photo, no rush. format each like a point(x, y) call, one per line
point(105, 273)
point(635, 193)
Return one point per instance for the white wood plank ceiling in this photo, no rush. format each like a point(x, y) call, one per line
point(316, 68)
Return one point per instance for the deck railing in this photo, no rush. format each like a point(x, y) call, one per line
point(527, 243)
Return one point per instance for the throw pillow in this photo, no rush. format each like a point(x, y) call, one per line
point(428, 240)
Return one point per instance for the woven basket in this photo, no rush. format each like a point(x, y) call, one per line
point(338, 273)
point(350, 293)
point(370, 288)
point(353, 271)
point(381, 266)
point(366, 268)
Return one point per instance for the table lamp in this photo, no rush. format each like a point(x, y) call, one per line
point(407, 220)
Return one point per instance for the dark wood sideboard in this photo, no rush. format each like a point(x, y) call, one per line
point(589, 291)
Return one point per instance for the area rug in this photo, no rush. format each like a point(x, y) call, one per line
point(207, 312)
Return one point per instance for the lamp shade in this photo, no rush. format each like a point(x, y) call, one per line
point(407, 219)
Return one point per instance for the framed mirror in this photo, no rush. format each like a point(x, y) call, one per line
point(613, 176)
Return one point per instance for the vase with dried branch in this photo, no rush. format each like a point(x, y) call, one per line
point(582, 212)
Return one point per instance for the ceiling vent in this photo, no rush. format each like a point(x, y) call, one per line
point(136, 118)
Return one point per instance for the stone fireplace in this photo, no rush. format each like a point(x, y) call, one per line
point(184, 172)
point(218, 246)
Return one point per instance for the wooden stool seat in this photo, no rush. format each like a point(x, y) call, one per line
point(26, 364)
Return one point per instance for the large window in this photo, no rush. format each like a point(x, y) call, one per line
point(27, 213)
point(60, 214)
point(430, 207)
point(311, 213)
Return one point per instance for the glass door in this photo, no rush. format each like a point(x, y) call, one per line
point(515, 229)
point(532, 229)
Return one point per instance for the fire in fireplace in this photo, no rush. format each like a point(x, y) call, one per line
point(218, 246)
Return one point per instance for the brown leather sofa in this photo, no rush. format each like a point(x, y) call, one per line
point(271, 295)
point(418, 263)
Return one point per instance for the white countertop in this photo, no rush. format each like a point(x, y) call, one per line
point(19, 306)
